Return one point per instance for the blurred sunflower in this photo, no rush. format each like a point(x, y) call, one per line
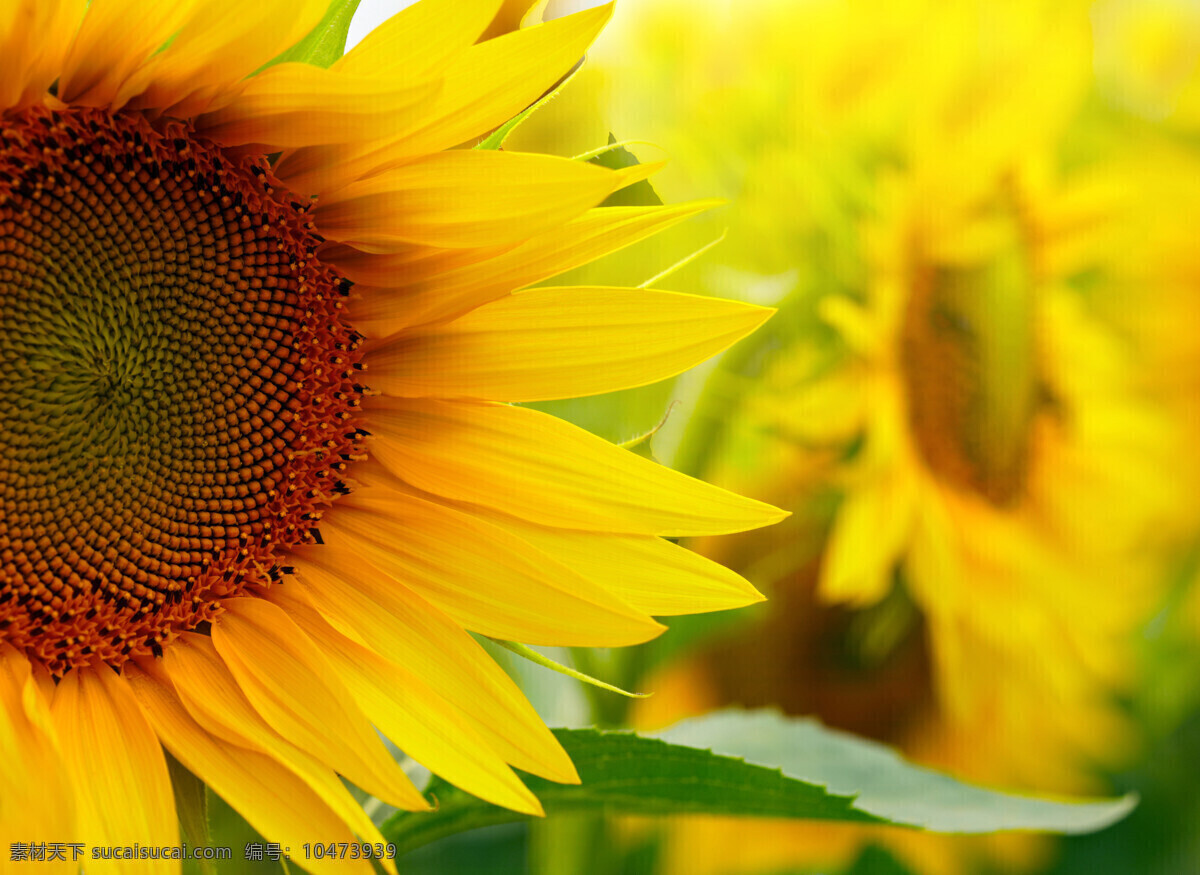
point(1001, 476)
point(233, 523)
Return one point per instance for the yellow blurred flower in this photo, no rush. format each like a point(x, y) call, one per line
point(1147, 57)
point(1001, 477)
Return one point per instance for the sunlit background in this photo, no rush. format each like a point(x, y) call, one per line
point(979, 399)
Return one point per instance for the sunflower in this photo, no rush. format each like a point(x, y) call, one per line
point(1002, 479)
point(975, 596)
point(261, 470)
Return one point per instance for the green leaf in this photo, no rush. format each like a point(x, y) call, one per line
point(191, 804)
point(326, 42)
point(615, 157)
point(756, 764)
point(883, 783)
point(629, 774)
point(875, 860)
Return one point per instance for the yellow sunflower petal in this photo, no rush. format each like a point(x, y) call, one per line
point(418, 38)
point(299, 105)
point(411, 712)
point(649, 574)
point(35, 35)
point(495, 79)
point(362, 602)
point(462, 198)
point(484, 87)
point(296, 691)
point(876, 522)
point(115, 38)
point(122, 787)
point(560, 343)
point(37, 798)
point(872, 530)
point(232, 39)
point(539, 468)
point(512, 14)
point(482, 576)
point(216, 702)
point(273, 800)
point(413, 292)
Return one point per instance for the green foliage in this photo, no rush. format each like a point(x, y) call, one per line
point(326, 42)
point(874, 860)
point(626, 773)
point(881, 782)
point(640, 194)
point(1160, 838)
point(755, 764)
point(497, 850)
point(191, 805)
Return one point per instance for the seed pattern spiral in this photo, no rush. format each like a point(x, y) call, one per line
point(178, 386)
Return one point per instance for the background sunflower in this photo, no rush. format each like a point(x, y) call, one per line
point(977, 247)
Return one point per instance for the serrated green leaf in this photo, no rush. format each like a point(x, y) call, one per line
point(625, 773)
point(882, 782)
point(756, 764)
point(326, 42)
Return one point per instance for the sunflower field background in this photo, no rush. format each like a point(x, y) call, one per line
point(968, 640)
point(977, 221)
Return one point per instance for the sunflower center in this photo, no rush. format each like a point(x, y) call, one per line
point(970, 366)
point(178, 382)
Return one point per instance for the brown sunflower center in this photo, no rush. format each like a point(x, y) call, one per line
point(178, 382)
point(970, 366)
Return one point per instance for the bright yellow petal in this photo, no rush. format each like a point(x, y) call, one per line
point(483, 88)
point(122, 787)
point(295, 104)
point(299, 694)
point(537, 467)
point(870, 534)
point(115, 38)
point(419, 38)
point(272, 799)
point(876, 520)
point(35, 35)
point(411, 712)
point(221, 44)
point(549, 343)
point(462, 198)
point(649, 574)
point(510, 16)
point(412, 292)
point(496, 79)
point(488, 580)
point(36, 797)
point(363, 603)
point(215, 701)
